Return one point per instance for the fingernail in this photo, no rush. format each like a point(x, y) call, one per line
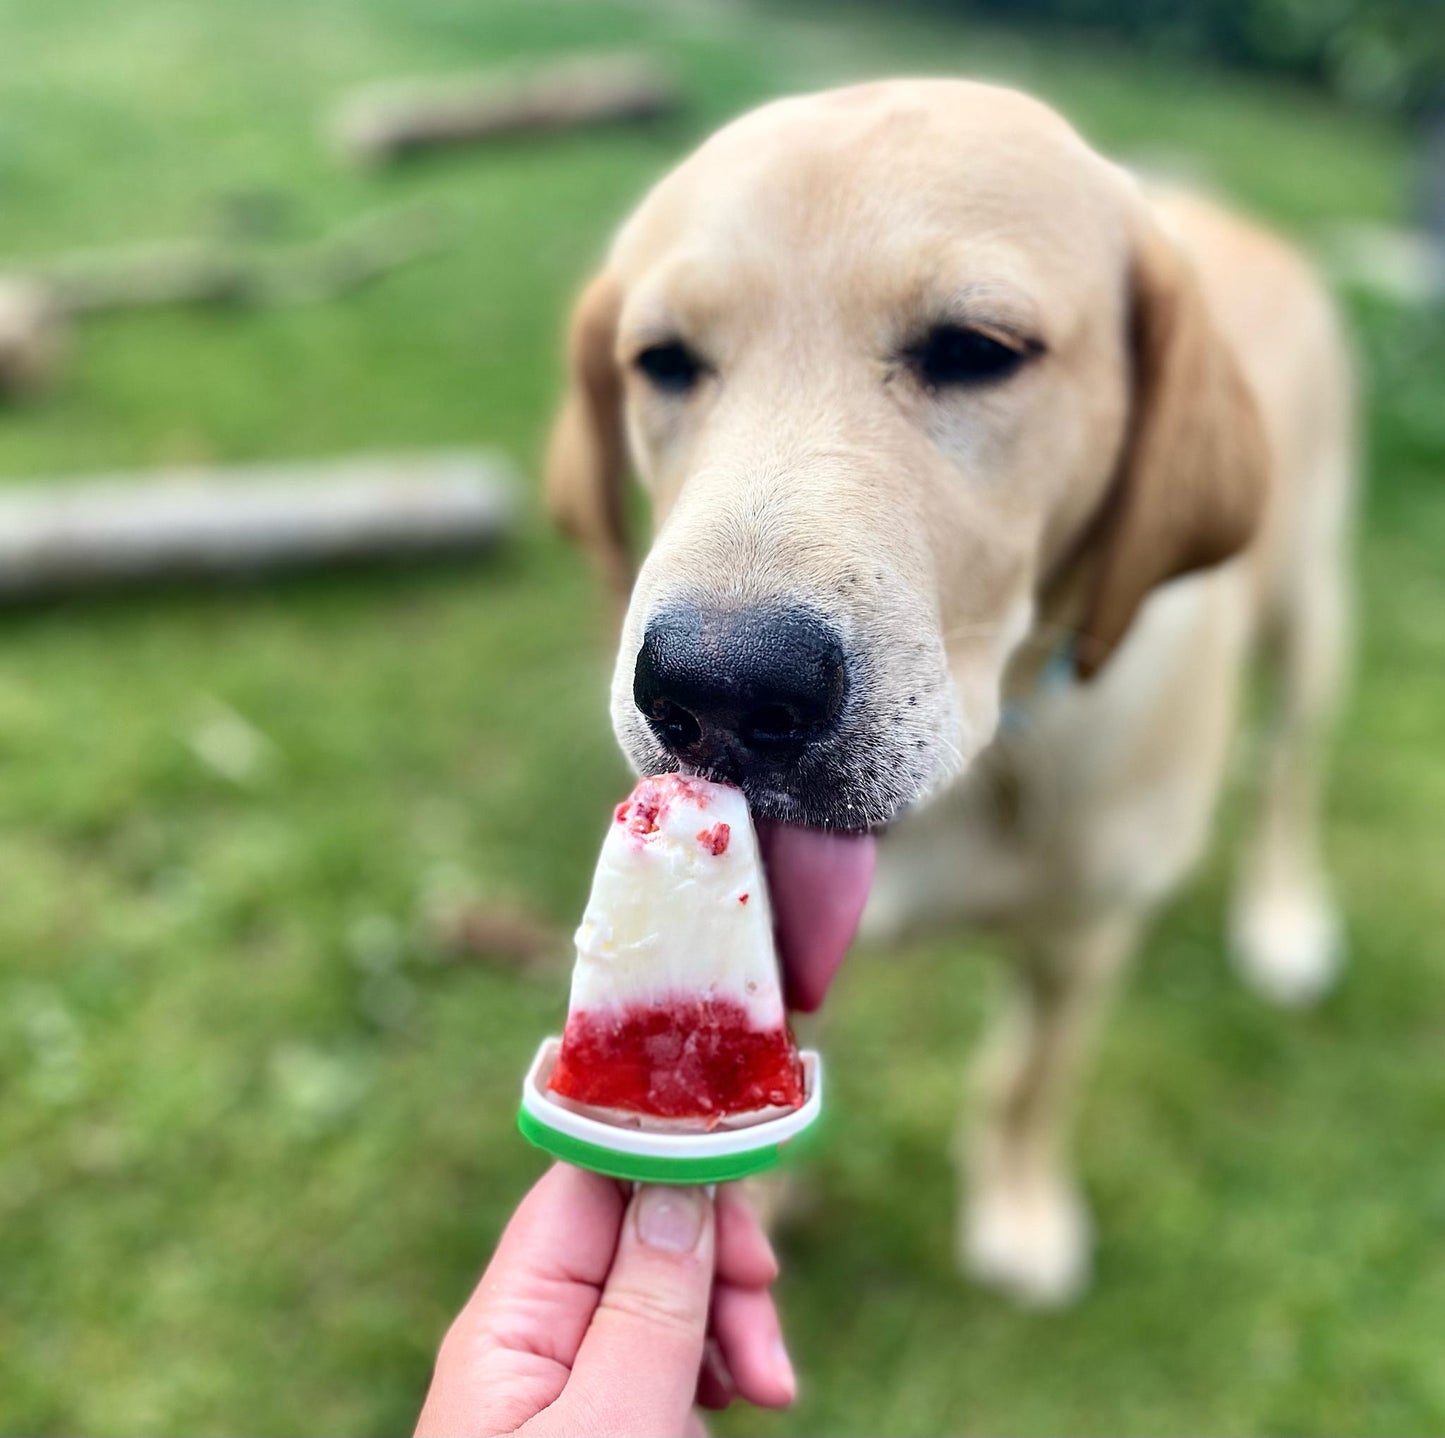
point(783, 1367)
point(670, 1219)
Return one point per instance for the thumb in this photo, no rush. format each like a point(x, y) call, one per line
point(636, 1372)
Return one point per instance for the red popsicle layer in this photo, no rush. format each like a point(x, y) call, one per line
point(692, 1058)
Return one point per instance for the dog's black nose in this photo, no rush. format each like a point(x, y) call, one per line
point(731, 691)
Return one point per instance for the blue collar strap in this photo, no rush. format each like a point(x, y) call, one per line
point(1057, 673)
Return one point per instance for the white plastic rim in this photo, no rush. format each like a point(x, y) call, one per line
point(640, 1144)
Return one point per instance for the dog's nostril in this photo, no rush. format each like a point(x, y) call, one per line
point(675, 726)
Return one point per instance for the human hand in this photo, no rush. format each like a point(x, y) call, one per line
point(603, 1314)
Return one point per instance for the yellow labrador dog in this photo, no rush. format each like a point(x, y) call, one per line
point(976, 474)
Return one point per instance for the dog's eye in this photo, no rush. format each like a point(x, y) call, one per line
point(671, 366)
point(952, 355)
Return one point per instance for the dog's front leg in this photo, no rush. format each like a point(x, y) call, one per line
point(1023, 1225)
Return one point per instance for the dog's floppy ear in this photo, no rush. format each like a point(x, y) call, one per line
point(1192, 481)
point(586, 456)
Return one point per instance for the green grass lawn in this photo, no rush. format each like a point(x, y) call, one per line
point(256, 1133)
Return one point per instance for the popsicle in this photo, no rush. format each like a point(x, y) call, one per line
point(676, 1020)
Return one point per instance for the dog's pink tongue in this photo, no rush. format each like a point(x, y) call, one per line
point(818, 880)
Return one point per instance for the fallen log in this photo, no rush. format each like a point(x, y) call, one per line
point(250, 519)
point(193, 272)
point(383, 123)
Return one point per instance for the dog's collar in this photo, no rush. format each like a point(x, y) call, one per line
point(1058, 672)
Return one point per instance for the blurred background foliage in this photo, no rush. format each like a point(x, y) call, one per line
point(1388, 54)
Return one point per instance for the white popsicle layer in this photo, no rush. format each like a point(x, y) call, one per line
point(679, 905)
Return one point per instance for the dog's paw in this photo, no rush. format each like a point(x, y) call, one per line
point(1032, 1242)
point(1288, 945)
